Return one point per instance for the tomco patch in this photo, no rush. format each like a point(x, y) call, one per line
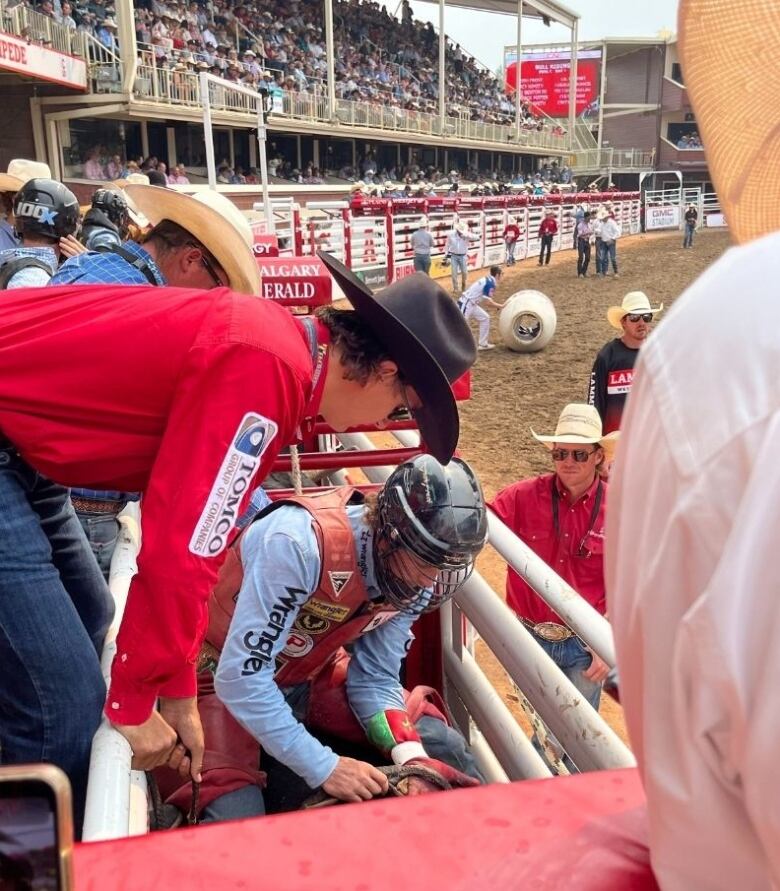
point(311, 623)
point(241, 462)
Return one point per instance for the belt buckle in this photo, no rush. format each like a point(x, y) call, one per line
point(552, 632)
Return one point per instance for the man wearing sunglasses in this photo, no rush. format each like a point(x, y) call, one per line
point(613, 370)
point(560, 516)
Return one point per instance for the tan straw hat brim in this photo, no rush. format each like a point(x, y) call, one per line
point(10, 183)
point(729, 53)
point(206, 225)
point(607, 442)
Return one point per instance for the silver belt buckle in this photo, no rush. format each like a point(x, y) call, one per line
point(552, 632)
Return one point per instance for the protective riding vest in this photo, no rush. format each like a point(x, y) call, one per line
point(336, 614)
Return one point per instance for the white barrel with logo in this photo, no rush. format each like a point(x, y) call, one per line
point(527, 321)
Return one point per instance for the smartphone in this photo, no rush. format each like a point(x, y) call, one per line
point(36, 829)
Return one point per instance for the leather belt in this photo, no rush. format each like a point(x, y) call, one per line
point(94, 506)
point(552, 632)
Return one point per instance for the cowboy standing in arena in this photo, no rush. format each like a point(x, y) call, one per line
point(212, 385)
point(692, 549)
point(314, 574)
point(422, 245)
point(481, 291)
point(45, 213)
point(560, 516)
point(457, 250)
point(613, 370)
point(610, 232)
point(691, 220)
point(584, 234)
point(511, 236)
point(548, 229)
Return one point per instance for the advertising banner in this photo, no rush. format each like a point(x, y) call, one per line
point(667, 217)
point(31, 60)
point(545, 80)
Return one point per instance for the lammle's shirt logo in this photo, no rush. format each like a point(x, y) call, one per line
point(241, 462)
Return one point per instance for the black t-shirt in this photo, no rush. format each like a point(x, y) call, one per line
point(610, 382)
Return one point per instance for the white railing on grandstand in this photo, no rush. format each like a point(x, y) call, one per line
point(612, 159)
point(38, 28)
point(168, 87)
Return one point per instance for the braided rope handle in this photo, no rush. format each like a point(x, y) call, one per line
point(396, 775)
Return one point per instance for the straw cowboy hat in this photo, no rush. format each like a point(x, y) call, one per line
point(214, 221)
point(579, 424)
point(121, 185)
point(717, 43)
point(634, 301)
point(139, 179)
point(423, 224)
point(461, 227)
point(427, 337)
point(20, 171)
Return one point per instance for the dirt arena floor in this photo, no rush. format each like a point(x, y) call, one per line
point(512, 392)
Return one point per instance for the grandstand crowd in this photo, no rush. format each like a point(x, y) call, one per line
point(270, 45)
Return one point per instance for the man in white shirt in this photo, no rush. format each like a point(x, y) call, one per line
point(693, 590)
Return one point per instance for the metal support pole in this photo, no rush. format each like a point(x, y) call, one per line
point(128, 45)
point(602, 91)
point(208, 130)
point(442, 70)
point(519, 54)
point(262, 137)
point(573, 84)
point(329, 52)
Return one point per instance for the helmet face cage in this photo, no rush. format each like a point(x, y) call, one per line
point(405, 546)
point(113, 205)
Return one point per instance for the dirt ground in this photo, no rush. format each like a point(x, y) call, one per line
point(512, 392)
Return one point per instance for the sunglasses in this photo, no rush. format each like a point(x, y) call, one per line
point(579, 455)
point(207, 265)
point(646, 317)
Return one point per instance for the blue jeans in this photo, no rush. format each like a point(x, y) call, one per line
point(572, 658)
point(55, 609)
point(422, 263)
point(440, 741)
point(690, 228)
point(608, 253)
point(459, 263)
point(511, 246)
point(102, 532)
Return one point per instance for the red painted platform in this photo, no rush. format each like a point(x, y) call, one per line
point(585, 832)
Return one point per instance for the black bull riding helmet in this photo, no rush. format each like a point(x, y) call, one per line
point(436, 513)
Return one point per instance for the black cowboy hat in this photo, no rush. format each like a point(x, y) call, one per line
point(428, 339)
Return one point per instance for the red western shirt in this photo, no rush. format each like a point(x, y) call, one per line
point(185, 395)
point(511, 233)
point(576, 553)
point(548, 226)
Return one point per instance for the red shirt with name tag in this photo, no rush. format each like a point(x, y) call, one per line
point(575, 552)
point(184, 395)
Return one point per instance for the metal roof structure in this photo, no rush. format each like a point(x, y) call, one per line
point(538, 9)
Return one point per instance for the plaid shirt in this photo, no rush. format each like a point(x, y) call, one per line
point(32, 276)
point(107, 269)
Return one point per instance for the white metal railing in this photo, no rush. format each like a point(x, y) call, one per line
point(38, 28)
point(116, 795)
point(612, 159)
point(167, 87)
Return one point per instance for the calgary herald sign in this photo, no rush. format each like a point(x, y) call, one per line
point(32, 60)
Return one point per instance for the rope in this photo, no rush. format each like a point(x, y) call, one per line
point(295, 466)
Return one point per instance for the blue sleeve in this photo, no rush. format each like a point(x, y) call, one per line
point(373, 678)
point(31, 277)
point(99, 238)
point(281, 568)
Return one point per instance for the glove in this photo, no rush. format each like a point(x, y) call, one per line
point(455, 778)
